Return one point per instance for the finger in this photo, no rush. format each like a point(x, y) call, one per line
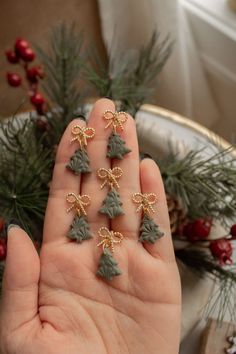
point(97, 150)
point(64, 181)
point(151, 182)
point(128, 224)
point(20, 282)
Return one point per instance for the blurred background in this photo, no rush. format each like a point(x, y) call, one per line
point(199, 78)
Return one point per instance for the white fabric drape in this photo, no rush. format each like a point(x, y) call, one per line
point(128, 24)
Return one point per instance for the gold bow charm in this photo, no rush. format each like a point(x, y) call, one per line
point(109, 238)
point(146, 201)
point(116, 119)
point(78, 202)
point(110, 176)
point(81, 134)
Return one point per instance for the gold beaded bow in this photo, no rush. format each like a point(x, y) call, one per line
point(110, 176)
point(116, 119)
point(146, 201)
point(78, 202)
point(109, 238)
point(81, 134)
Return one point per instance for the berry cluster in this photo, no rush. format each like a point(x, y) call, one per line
point(24, 55)
point(220, 248)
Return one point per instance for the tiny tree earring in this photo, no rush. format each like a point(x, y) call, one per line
point(149, 230)
point(79, 162)
point(108, 267)
point(79, 230)
point(111, 205)
point(116, 145)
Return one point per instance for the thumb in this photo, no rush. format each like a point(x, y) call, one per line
point(19, 303)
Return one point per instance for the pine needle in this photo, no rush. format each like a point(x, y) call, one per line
point(205, 187)
point(24, 175)
point(222, 301)
point(63, 65)
point(134, 81)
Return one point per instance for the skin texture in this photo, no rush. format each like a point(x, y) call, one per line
point(55, 304)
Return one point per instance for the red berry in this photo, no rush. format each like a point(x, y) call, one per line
point(12, 57)
point(2, 223)
point(197, 230)
point(13, 79)
point(233, 231)
point(27, 54)
point(222, 249)
point(3, 249)
point(37, 100)
point(34, 73)
point(21, 44)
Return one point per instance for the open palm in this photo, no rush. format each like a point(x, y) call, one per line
point(55, 303)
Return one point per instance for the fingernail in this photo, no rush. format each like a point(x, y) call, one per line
point(79, 116)
point(145, 155)
point(13, 223)
point(10, 226)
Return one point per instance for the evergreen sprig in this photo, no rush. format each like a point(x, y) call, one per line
point(62, 64)
point(203, 264)
point(205, 187)
point(133, 81)
point(24, 175)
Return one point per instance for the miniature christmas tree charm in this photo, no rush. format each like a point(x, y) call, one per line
point(116, 145)
point(79, 230)
point(149, 230)
point(112, 205)
point(108, 267)
point(79, 162)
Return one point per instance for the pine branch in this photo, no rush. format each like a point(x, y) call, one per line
point(151, 61)
point(223, 299)
point(24, 175)
point(205, 187)
point(63, 68)
point(202, 263)
point(133, 82)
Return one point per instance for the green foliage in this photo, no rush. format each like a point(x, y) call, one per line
point(205, 187)
point(149, 231)
point(134, 79)
point(79, 162)
point(79, 230)
point(108, 267)
point(24, 175)
point(225, 279)
point(62, 65)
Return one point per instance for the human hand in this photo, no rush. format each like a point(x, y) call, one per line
point(55, 304)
